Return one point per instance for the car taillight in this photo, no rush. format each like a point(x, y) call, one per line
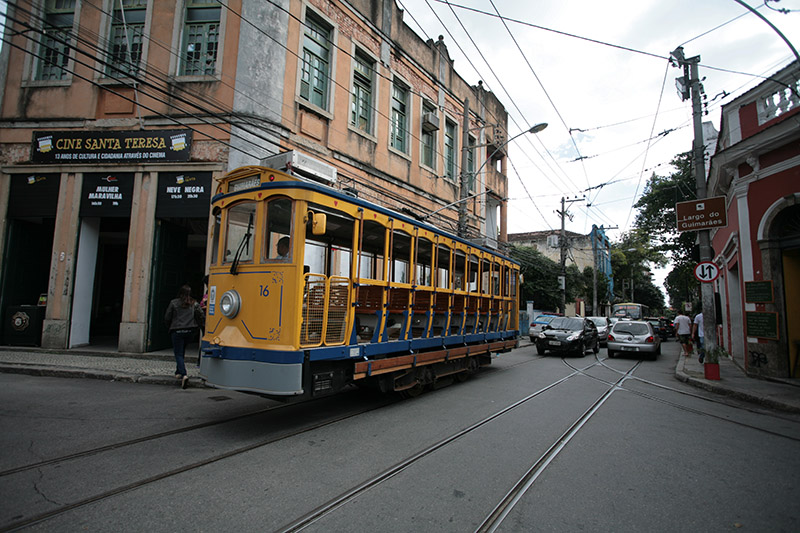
point(611, 337)
point(650, 339)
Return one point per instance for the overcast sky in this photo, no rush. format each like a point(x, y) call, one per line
point(620, 94)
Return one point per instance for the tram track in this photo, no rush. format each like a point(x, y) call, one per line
point(345, 497)
point(688, 394)
point(40, 517)
point(57, 462)
point(518, 490)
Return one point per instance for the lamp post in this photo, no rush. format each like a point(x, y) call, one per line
point(462, 208)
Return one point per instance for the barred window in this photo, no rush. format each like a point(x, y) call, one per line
point(126, 38)
point(363, 79)
point(428, 139)
point(201, 38)
point(399, 117)
point(59, 16)
point(315, 75)
point(471, 163)
point(450, 150)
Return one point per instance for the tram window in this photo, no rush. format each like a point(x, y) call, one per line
point(496, 279)
point(373, 242)
point(314, 258)
point(278, 245)
point(424, 262)
point(217, 214)
point(486, 272)
point(459, 271)
point(401, 257)
point(443, 267)
point(514, 282)
point(340, 261)
point(330, 254)
point(473, 273)
point(239, 232)
point(506, 282)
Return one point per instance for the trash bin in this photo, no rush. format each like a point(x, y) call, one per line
point(23, 325)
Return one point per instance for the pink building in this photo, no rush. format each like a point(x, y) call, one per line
point(757, 168)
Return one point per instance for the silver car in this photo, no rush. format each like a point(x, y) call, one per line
point(634, 336)
point(602, 328)
point(537, 326)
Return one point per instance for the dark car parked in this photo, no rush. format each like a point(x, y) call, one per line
point(573, 335)
point(670, 326)
point(659, 327)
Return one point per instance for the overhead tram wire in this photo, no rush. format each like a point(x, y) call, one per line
point(502, 86)
point(652, 129)
point(124, 97)
point(101, 47)
point(547, 94)
point(341, 50)
point(528, 193)
point(126, 83)
point(386, 193)
point(455, 41)
point(588, 39)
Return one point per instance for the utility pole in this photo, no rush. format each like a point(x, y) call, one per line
point(690, 82)
point(465, 177)
point(562, 279)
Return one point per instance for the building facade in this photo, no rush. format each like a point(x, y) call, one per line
point(756, 168)
point(118, 116)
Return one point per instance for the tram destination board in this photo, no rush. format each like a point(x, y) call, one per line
point(707, 213)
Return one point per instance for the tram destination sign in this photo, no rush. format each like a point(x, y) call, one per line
point(104, 147)
point(707, 213)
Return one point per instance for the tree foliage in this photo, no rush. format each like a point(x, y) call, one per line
point(656, 221)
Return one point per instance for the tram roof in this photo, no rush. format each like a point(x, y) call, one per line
point(295, 182)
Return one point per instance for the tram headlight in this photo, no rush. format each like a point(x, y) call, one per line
point(230, 303)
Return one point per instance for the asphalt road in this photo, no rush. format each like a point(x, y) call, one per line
point(530, 444)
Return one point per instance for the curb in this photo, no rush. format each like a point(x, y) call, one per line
point(78, 373)
point(681, 375)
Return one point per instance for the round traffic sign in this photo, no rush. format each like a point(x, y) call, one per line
point(706, 271)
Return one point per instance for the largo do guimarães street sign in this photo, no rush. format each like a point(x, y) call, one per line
point(707, 213)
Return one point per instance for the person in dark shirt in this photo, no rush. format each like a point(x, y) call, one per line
point(183, 327)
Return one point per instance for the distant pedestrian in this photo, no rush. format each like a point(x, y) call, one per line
point(683, 328)
point(183, 327)
point(697, 334)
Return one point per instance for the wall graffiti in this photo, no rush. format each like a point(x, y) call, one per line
point(758, 359)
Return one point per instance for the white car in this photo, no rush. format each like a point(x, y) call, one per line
point(603, 326)
point(634, 336)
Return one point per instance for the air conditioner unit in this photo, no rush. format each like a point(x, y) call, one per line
point(302, 166)
point(430, 121)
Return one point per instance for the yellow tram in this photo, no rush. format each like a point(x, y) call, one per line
point(311, 290)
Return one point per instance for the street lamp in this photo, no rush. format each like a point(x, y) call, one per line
point(462, 208)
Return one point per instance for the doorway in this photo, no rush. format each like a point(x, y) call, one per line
point(179, 258)
point(99, 282)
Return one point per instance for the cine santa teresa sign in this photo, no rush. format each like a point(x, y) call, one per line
point(696, 215)
point(140, 146)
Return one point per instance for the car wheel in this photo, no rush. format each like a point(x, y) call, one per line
point(596, 348)
point(532, 339)
point(541, 350)
point(611, 354)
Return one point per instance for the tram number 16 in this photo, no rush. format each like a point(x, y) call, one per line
point(706, 271)
point(263, 291)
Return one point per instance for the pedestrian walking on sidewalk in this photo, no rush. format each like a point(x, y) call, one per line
point(698, 334)
point(683, 328)
point(182, 320)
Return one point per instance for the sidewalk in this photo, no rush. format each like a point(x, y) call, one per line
point(159, 368)
point(782, 394)
point(100, 363)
